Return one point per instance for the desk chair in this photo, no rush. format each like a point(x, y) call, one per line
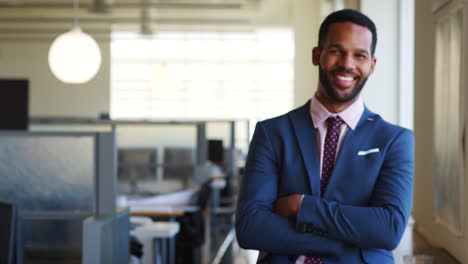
point(7, 232)
point(192, 229)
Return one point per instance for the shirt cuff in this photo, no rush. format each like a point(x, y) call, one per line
point(299, 207)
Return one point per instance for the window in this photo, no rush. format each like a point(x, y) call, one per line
point(202, 75)
point(449, 121)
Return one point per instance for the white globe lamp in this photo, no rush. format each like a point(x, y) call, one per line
point(74, 57)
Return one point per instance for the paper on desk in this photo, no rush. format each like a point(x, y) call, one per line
point(180, 198)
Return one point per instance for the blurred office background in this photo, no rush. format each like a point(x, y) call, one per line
point(172, 106)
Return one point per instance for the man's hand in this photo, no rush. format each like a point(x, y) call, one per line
point(288, 206)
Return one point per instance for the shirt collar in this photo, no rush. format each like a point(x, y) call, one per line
point(350, 115)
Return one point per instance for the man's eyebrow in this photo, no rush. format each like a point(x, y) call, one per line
point(339, 46)
point(363, 50)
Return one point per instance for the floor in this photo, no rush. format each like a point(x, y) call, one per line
point(422, 247)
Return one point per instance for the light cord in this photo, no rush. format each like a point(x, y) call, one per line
point(75, 13)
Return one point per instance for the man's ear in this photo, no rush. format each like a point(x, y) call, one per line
point(373, 62)
point(316, 56)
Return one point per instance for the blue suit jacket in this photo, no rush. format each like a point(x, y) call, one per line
point(364, 211)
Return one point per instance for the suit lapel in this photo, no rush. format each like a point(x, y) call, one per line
point(306, 139)
point(349, 149)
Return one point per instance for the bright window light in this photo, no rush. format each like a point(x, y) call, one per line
point(202, 75)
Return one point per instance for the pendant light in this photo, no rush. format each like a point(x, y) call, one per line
point(74, 56)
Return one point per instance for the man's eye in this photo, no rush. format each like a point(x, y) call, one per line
point(361, 56)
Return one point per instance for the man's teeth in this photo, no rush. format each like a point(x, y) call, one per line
point(344, 78)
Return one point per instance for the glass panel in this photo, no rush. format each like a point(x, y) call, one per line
point(448, 140)
point(51, 232)
point(48, 174)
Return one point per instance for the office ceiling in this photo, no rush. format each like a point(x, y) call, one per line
point(42, 17)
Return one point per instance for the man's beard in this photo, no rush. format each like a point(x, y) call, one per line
point(332, 93)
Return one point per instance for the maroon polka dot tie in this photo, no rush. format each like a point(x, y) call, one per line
point(329, 153)
point(329, 150)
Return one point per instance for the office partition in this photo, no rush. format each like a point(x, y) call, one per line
point(106, 239)
point(56, 179)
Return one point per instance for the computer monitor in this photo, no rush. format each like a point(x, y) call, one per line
point(137, 164)
point(215, 151)
point(179, 163)
point(7, 232)
point(14, 95)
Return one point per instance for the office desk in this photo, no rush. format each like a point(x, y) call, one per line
point(166, 205)
point(162, 236)
point(170, 206)
point(161, 207)
point(167, 211)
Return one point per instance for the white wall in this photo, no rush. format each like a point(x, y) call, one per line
point(48, 96)
point(306, 19)
point(381, 91)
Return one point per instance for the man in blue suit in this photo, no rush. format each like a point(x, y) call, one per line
point(331, 181)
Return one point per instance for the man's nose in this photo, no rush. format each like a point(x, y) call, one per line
point(347, 61)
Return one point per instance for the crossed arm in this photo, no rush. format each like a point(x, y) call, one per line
point(267, 223)
point(257, 225)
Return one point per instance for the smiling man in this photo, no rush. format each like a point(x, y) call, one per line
point(331, 181)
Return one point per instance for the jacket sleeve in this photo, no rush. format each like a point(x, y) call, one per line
point(257, 227)
point(380, 224)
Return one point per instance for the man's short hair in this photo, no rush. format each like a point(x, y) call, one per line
point(348, 15)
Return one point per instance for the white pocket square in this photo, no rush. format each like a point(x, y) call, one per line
point(365, 152)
